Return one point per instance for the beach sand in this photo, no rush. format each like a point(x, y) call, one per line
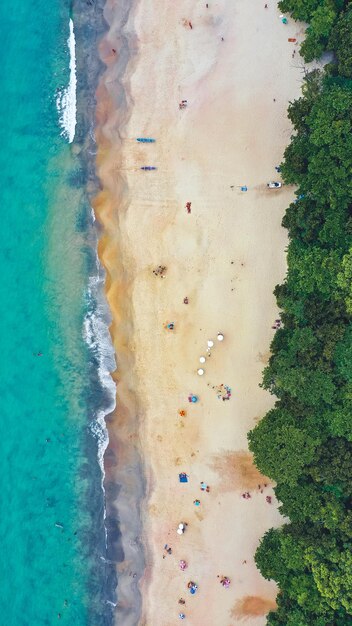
point(235, 69)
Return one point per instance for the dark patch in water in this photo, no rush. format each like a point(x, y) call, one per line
point(76, 178)
point(115, 551)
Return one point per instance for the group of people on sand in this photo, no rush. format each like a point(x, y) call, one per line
point(160, 271)
point(192, 588)
point(246, 495)
point(183, 564)
point(224, 393)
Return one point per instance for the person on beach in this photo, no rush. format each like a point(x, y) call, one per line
point(192, 586)
point(185, 300)
point(196, 502)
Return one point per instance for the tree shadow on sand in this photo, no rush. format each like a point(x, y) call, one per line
point(252, 606)
point(237, 471)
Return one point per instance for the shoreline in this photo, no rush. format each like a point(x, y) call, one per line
point(124, 483)
point(90, 27)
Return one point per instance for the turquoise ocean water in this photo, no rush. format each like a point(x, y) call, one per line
point(51, 522)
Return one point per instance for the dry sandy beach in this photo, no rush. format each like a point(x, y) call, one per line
point(236, 71)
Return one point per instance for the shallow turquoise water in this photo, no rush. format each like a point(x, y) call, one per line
point(45, 569)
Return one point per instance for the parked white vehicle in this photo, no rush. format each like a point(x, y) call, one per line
point(274, 185)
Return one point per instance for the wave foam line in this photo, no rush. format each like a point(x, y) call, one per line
point(97, 336)
point(66, 100)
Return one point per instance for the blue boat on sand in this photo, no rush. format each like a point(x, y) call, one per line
point(145, 140)
point(148, 168)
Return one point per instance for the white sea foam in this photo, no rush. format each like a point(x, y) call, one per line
point(66, 100)
point(97, 336)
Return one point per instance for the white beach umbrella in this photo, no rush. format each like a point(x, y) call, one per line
point(202, 359)
point(200, 372)
point(220, 337)
point(210, 343)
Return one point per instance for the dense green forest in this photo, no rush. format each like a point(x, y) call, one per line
point(305, 442)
